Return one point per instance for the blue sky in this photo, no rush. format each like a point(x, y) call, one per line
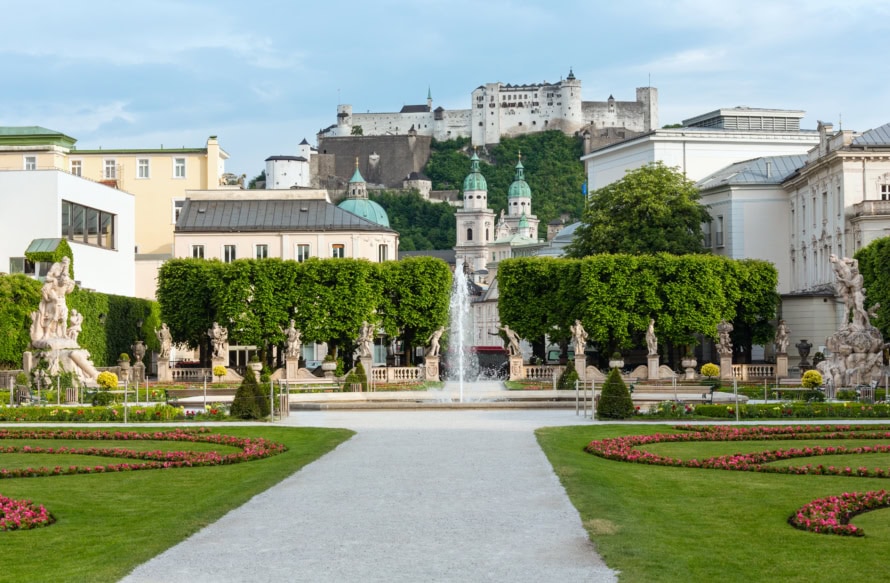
point(263, 75)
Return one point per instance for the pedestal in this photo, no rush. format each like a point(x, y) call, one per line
point(215, 362)
point(580, 368)
point(652, 361)
point(139, 372)
point(782, 365)
point(726, 367)
point(291, 366)
point(368, 365)
point(164, 375)
point(431, 368)
point(27, 362)
point(516, 371)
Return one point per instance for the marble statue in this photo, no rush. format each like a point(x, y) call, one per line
point(165, 339)
point(651, 339)
point(294, 340)
point(782, 332)
point(366, 341)
point(512, 341)
point(54, 339)
point(724, 342)
point(579, 337)
point(433, 350)
point(219, 337)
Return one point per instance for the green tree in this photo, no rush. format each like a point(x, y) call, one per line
point(415, 298)
point(756, 306)
point(261, 177)
point(615, 401)
point(249, 402)
point(421, 224)
point(19, 296)
point(185, 295)
point(874, 265)
point(357, 131)
point(653, 209)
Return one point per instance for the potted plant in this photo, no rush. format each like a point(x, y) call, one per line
point(688, 361)
point(123, 361)
point(616, 361)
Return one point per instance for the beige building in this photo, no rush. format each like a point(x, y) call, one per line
point(157, 177)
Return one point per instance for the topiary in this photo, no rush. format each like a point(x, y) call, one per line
point(710, 370)
point(102, 398)
point(361, 376)
point(811, 379)
point(249, 400)
point(107, 380)
point(615, 401)
point(567, 379)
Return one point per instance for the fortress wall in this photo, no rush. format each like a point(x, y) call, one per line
point(396, 157)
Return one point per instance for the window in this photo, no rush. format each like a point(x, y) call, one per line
point(229, 253)
point(469, 234)
point(21, 265)
point(30, 162)
point(87, 225)
point(77, 167)
point(382, 253)
point(486, 235)
point(110, 169)
point(302, 253)
point(338, 251)
point(178, 167)
point(142, 168)
point(198, 251)
point(262, 251)
point(885, 192)
point(706, 233)
point(719, 232)
point(178, 203)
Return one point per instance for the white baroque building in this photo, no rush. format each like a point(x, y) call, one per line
point(498, 110)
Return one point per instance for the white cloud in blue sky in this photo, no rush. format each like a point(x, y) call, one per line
point(263, 75)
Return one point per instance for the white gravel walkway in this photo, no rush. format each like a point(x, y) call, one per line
point(459, 495)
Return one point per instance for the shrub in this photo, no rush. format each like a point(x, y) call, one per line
point(567, 379)
point(219, 371)
point(811, 379)
point(710, 370)
point(360, 375)
point(124, 356)
point(102, 398)
point(249, 403)
point(21, 379)
point(615, 401)
point(107, 380)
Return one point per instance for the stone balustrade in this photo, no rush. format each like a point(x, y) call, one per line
point(872, 208)
point(191, 374)
point(745, 372)
point(396, 374)
point(543, 372)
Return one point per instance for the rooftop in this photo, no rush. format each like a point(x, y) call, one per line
point(765, 170)
point(879, 136)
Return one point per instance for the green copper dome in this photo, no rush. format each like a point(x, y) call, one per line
point(475, 180)
point(356, 176)
point(367, 209)
point(523, 221)
point(519, 188)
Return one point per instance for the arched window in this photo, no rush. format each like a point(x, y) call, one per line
point(469, 234)
point(486, 234)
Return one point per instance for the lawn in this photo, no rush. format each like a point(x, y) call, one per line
point(107, 524)
point(655, 523)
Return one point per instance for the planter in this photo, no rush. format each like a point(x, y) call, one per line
point(689, 363)
point(616, 364)
point(255, 366)
point(329, 366)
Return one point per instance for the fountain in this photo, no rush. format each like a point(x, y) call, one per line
point(462, 362)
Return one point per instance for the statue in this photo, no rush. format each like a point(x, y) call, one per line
point(219, 337)
point(849, 287)
point(433, 350)
point(724, 342)
point(651, 340)
point(579, 337)
point(366, 340)
point(512, 341)
point(74, 327)
point(781, 340)
point(165, 339)
point(50, 331)
point(294, 341)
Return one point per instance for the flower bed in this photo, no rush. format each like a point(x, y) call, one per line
point(842, 410)
point(830, 515)
point(22, 514)
point(86, 414)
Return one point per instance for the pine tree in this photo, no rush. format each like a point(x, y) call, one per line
point(615, 401)
point(248, 403)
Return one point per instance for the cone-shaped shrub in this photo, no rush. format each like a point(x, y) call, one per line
point(249, 400)
point(361, 376)
point(568, 377)
point(615, 401)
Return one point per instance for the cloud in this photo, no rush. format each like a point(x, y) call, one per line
point(74, 119)
point(688, 61)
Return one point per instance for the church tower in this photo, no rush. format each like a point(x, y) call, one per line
point(519, 205)
point(475, 221)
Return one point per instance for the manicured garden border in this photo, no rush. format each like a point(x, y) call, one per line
point(22, 515)
point(825, 515)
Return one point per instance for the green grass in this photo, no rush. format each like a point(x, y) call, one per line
point(656, 523)
point(108, 524)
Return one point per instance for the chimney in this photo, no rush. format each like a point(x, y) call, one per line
point(769, 169)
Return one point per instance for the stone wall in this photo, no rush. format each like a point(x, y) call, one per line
point(383, 160)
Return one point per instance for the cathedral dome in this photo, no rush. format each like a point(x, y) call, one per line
point(475, 180)
point(519, 187)
point(367, 209)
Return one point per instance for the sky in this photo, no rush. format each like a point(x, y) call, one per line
point(263, 75)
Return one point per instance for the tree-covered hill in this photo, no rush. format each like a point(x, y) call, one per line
point(422, 225)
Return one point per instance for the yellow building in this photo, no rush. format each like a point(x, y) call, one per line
point(157, 177)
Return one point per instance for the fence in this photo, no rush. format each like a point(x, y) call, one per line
point(745, 372)
point(396, 374)
point(543, 372)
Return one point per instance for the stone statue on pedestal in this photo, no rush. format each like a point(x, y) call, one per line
point(219, 339)
point(433, 350)
point(165, 339)
point(782, 333)
point(724, 342)
point(294, 341)
point(651, 339)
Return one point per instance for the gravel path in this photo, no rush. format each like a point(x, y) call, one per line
point(414, 496)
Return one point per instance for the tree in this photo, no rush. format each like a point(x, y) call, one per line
point(874, 265)
point(249, 402)
point(357, 131)
point(19, 296)
point(653, 209)
point(615, 400)
point(261, 177)
point(421, 224)
point(757, 302)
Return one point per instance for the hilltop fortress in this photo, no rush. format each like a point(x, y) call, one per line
point(498, 110)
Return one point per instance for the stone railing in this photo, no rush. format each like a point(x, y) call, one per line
point(397, 374)
point(194, 375)
point(745, 372)
point(872, 208)
point(543, 372)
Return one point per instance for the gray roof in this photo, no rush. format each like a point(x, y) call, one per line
point(766, 170)
point(879, 136)
point(415, 108)
point(296, 158)
point(203, 216)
